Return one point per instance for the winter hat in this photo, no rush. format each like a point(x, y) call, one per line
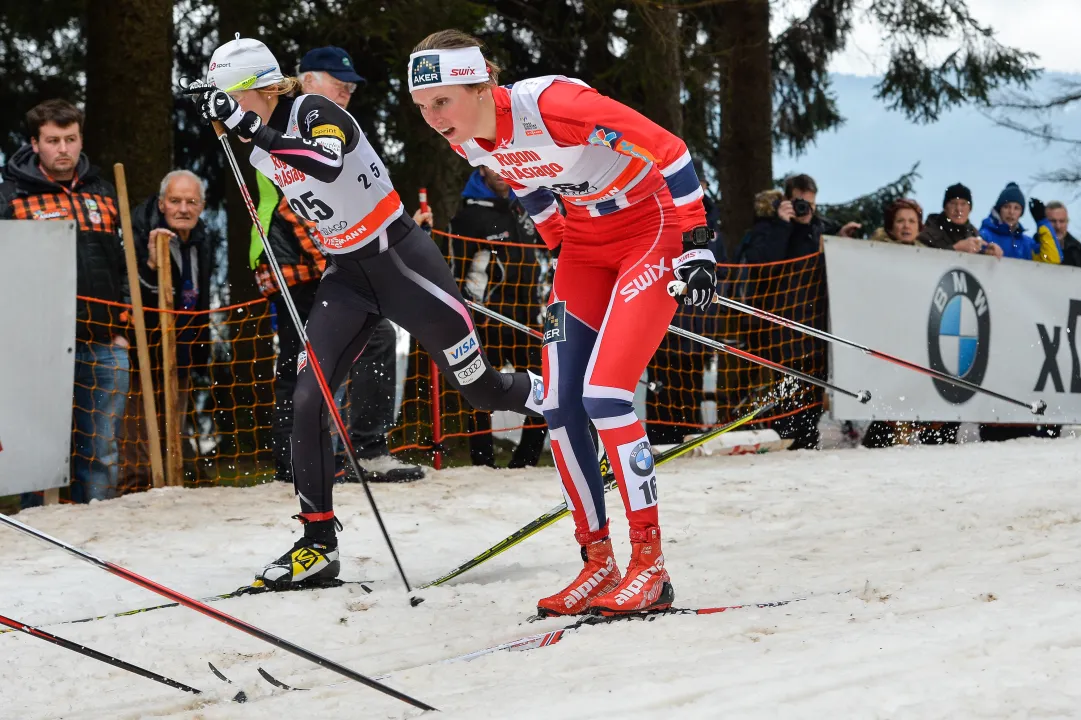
point(957, 192)
point(897, 206)
point(1012, 193)
point(765, 203)
point(243, 64)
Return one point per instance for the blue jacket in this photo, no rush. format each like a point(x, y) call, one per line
point(1014, 243)
point(476, 188)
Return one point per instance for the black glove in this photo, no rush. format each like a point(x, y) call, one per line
point(1039, 212)
point(215, 105)
point(697, 270)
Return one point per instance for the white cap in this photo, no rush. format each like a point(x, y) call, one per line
point(243, 64)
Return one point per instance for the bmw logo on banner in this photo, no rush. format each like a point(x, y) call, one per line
point(959, 333)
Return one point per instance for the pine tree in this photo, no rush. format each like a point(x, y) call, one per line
point(129, 93)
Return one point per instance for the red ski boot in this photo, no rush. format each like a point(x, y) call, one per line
point(646, 587)
point(599, 575)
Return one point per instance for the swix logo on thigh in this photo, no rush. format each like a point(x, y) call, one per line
point(581, 592)
point(463, 348)
point(470, 372)
point(635, 586)
point(652, 274)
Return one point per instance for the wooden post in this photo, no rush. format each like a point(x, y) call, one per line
point(52, 496)
point(174, 461)
point(146, 381)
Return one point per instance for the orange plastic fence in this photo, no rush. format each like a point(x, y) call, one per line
point(687, 386)
point(226, 360)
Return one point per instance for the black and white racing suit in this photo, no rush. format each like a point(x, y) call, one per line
point(381, 264)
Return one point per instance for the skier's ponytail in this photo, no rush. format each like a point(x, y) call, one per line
point(286, 86)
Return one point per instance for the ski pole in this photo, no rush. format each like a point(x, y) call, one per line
point(213, 613)
point(1036, 408)
point(863, 395)
point(324, 387)
point(92, 653)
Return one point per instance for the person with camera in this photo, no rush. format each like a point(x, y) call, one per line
point(790, 226)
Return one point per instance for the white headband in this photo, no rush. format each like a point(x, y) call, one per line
point(460, 66)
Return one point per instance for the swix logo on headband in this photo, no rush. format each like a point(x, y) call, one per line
point(425, 70)
point(461, 72)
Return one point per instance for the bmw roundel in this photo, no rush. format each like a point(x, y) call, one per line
point(959, 333)
point(641, 459)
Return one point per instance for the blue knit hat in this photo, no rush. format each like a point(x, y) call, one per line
point(1011, 193)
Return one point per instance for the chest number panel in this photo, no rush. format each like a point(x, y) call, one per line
point(308, 202)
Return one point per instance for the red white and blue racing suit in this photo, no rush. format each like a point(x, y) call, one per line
point(630, 191)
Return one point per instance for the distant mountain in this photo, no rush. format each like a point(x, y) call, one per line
point(876, 146)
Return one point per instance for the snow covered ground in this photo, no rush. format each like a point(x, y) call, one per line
point(945, 583)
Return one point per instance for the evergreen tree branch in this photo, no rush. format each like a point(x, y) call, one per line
point(923, 89)
point(1045, 132)
point(803, 103)
point(870, 209)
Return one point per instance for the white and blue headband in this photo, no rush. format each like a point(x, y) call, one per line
point(460, 66)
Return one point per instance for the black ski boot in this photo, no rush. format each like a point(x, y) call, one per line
point(313, 561)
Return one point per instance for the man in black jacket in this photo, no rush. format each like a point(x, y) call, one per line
point(1059, 217)
point(172, 217)
point(51, 179)
point(504, 275)
point(791, 227)
point(787, 227)
point(951, 229)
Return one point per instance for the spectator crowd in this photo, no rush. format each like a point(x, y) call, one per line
point(787, 226)
point(495, 253)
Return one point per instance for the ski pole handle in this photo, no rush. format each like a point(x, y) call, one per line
point(678, 288)
point(198, 87)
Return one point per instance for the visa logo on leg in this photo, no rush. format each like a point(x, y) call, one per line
point(462, 349)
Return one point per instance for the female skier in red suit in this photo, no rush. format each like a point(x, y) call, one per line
point(635, 221)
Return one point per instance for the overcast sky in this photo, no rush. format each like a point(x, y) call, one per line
point(1050, 28)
